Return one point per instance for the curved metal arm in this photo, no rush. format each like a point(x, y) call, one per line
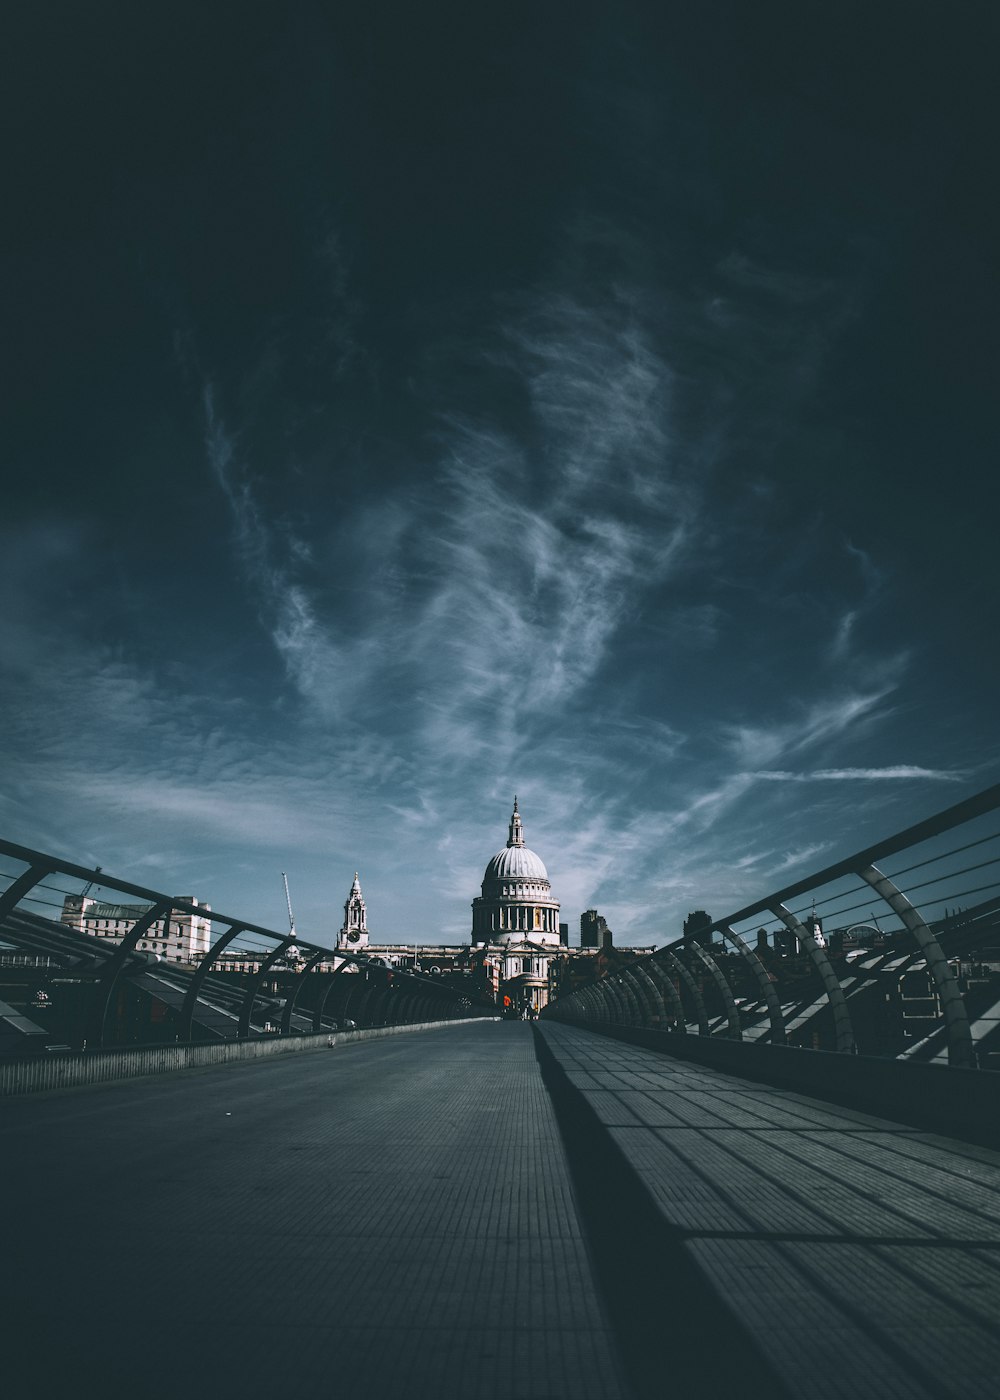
point(26, 881)
point(597, 1004)
point(614, 1000)
point(337, 972)
point(299, 983)
point(960, 1048)
point(692, 986)
point(619, 994)
point(109, 976)
point(246, 1009)
point(843, 1029)
point(198, 978)
point(648, 998)
point(764, 982)
point(656, 974)
point(725, 991)
point(636, 994)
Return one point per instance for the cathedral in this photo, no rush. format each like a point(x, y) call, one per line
point(515, 925)
point(518, 954)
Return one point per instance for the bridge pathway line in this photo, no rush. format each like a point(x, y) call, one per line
point(390, 1219)
point(860, 1256)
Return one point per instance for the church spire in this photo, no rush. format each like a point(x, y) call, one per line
point(515, 835)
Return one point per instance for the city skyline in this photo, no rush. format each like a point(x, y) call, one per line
point(411, 410)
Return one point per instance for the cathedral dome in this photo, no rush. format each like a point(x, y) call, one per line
point(515, 863)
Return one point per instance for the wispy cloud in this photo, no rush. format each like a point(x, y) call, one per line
point(325, 668)
point(899, 770)
point(754, 745)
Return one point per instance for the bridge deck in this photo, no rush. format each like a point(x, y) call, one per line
point(389, 1219)
point(399, 1218)
point(862, 1256)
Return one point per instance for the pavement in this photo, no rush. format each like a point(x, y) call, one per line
point(389, 1219)
point(857, 1257)
point(489, 1212)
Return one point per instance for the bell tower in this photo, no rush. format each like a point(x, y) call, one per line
point(354, 934)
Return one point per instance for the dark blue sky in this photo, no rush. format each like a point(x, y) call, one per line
point(415, 404)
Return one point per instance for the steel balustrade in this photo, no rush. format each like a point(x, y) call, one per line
point(197, 982)
point(651, 987)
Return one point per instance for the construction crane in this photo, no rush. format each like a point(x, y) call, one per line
point(90, 883)
point(288, 901)
point(292, 953)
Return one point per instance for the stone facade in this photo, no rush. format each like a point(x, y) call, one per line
point(181, 938)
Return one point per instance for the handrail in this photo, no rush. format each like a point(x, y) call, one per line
point(603, 1002)
point(120, 953)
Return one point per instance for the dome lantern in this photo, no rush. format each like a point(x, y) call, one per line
point(515, 833)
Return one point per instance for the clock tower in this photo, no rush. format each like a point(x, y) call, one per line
point(354, 934)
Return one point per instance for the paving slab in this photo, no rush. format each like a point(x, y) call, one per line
point(392, 1219)
point(862, 1255)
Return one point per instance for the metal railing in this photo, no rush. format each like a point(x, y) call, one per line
point(34, 918)
point(833, 961)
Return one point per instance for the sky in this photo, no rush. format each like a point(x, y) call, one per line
point(411, 405)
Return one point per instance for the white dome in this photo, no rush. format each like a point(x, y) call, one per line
point(515, 863)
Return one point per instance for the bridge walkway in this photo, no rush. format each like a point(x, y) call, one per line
point(389, 1219)
point(859, 1256)
point(485, 1215)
